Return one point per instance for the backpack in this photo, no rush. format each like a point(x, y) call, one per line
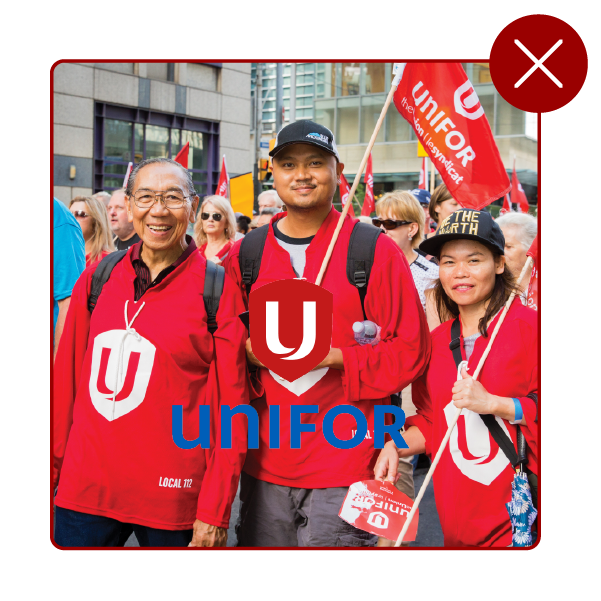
point(214, 279)
point(359, 259)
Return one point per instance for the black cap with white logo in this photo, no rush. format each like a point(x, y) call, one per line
point(466, 224)
point(305, 132)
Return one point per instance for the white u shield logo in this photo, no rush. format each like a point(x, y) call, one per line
point(309, 330)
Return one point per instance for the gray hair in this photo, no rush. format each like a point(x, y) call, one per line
point(271, 194)
point(525, 224)
point(132, 178)
point(270, 211)
point(101, 195)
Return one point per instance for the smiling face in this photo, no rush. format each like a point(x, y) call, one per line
point(210, 226)
point(305, 176)
point(160, 228)
point(467, 271)
point(86, 223)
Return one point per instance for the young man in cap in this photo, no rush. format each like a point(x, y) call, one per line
point(291, 497)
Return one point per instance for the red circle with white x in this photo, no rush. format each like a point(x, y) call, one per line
point(538, 63)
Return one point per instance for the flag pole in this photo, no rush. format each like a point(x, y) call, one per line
point(443, 444)
point(393, 87)
point(432, 176)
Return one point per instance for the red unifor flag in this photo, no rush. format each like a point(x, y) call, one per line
point(533, 285)
point(345, 190)
point(506, 208)
point(423, 176)
point(368, 202)
point(518, 193)
point(182, 156)
point(440, 103)
point(222, 186)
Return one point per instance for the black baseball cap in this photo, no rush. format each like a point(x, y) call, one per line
point(305, 132)
point(466, 224)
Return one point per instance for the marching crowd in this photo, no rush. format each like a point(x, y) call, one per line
point(144, 322)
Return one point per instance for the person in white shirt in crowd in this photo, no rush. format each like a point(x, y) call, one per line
point(519, 230)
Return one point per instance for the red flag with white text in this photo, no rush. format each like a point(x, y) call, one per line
point(440, 103)
point(506, 208)
point(533, 285)
point(224, 180)
point(423, 176)
point(368, 203)
point(517, 192)
point(182, 156)
point(345, 191)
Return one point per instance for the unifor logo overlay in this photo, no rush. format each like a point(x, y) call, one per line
point(291, 325)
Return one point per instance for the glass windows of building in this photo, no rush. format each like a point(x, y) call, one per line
point(374, 78)
point(486, 95)
point(350, 82)
point(509, 120)
point(347, 126)
point(371, 107)
point(325, 113)
point(397, 128)
point(125, 134)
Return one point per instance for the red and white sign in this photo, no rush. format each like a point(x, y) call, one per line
point(127, 174)
point(423, 176)
point(368, 203)
point(440, 103)
point(291, 322)
point(506, 208)
point(224, 181)
point(345, 191)
point(379, 508)
point(517, 192)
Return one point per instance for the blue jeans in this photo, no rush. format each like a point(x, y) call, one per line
point(76, 529)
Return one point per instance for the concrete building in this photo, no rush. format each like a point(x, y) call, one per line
point(348, 97)
point(107, 114)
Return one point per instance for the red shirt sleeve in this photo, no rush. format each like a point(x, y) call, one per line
point(68, 366)
point(227, 385)
point(374, 372)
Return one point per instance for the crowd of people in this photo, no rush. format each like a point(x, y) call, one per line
point(138, 362)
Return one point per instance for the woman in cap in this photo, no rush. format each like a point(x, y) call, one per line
point(215, 231)
point(401, 218)
point(92, 217)
point(473, 480)
point(442, 204)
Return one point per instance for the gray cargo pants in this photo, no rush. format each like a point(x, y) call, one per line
point(280, 516)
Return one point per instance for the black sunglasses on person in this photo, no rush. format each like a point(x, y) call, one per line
point(389, 224)
point(216, 216)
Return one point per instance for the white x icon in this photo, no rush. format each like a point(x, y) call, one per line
point(538, 64)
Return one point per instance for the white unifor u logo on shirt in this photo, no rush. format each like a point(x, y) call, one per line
point(273, 331)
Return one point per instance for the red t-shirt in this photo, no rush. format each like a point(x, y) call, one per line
point(472, 481)
point(222, 253)
point(115, 455)
point(371, 373)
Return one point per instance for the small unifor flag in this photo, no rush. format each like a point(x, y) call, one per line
point(518, 193)
point(368, 203)
point(127, 173)
point(533, 285)
point(442, 106)
point(506, 208)
point(223, 184)
point(182, 156)
point(345, 191)
point(423, 176)
point(379, 508)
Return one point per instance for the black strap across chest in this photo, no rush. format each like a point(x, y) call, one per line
point(505, 443)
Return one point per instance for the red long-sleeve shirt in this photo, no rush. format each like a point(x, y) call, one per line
point(118, 458)
point(473, 479)
point(370, 375)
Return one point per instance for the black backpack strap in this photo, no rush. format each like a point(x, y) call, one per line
point(214, 279)
point(102, 275)
point(360, 257)
point(505, 443)
point(251, 251)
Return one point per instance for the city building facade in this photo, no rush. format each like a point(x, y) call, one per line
point(108, 114)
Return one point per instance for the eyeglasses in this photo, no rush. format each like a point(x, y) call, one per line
point(80, 214)
point(216, 216)
point(389, 224)
point(172, 199)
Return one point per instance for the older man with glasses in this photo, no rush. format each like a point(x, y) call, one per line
point(124, 374)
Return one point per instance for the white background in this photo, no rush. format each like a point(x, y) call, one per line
point(34, 37)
